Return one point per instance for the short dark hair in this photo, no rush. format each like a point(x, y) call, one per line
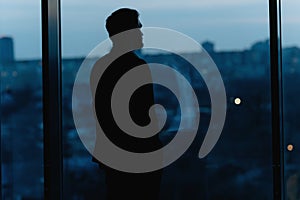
point(122, 20)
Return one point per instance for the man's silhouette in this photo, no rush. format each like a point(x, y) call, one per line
point(122, 185)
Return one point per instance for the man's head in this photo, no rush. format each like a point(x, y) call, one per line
point(122, 20)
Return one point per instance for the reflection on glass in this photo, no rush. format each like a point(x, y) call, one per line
point(21, 100)
point(240, 166)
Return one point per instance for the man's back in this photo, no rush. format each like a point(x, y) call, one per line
point(126, 185)
point(139, 105)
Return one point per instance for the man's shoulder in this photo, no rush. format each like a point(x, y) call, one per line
point(101, 64)
point(113, 57)
point(132, 59)
point(107, 58)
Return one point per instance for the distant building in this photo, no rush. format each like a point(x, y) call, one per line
point(6, 51)
point(208, 46)
point(261, 46)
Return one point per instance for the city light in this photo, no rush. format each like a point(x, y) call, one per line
point(237, 101)
point(290, 147)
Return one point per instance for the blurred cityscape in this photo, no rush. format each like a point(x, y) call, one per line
point(239, 167)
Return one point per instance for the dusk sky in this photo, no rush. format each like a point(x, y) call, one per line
point(230, 24)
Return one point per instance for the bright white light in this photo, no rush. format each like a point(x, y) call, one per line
point(237, 101)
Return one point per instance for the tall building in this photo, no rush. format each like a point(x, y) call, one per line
point(208, 46)
point(6, 51)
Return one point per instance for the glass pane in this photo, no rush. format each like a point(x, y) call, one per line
point(235, 35)
point(291, 64)
point(21, 100)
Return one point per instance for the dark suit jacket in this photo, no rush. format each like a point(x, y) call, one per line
point(139, 105)
point(127, 185)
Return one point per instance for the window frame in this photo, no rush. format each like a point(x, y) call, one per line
point(52, 98)
point(52, 101)
point(276, 98)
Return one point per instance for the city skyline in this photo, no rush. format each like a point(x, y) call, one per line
point(233, 25)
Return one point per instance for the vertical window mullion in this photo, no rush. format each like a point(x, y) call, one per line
point(52, 108)
point(276, 95)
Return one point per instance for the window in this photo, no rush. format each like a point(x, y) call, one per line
point(290, 73)
point(21, 100)
point(237, 35)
